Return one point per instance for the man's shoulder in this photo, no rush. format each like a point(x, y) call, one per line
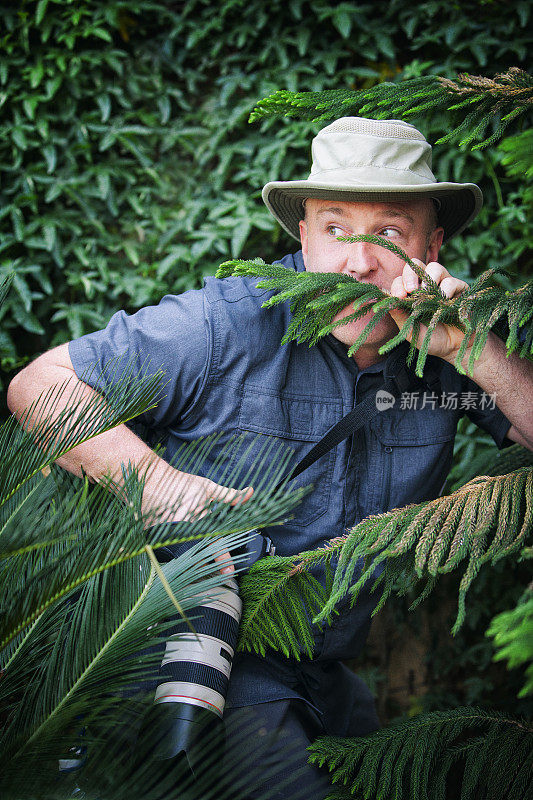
point(243, 289)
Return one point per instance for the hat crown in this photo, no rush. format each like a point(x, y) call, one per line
point(370, 149)
point(372, 160)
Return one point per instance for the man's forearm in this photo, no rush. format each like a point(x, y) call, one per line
point(105, 454)
point(168, 493)
point(510, 379)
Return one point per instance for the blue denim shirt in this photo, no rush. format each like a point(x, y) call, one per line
point(227, 373)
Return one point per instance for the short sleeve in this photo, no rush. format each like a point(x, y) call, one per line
point(172, 336)
point(485, 413)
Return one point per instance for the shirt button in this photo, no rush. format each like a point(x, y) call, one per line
point(388, 449)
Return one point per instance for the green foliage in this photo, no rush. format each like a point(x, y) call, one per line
point(488, 519)
point(280, 599)
point(419, 758)
point(502, 99)
point(315, 298)
point(513, 635)
point(66, 553)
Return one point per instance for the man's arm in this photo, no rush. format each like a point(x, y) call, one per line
point(509, 378)
point(103, 456)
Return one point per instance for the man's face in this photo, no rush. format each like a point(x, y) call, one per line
point(410, 225)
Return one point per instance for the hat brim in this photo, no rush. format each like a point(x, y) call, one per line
point(459, 203)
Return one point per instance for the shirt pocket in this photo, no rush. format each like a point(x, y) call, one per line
point(416, 451)
point(267, 417)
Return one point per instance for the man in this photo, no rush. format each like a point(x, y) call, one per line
point(227, 372)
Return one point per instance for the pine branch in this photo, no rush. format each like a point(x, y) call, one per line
point(484, 521)
point(487, 519)
point(315, 298)
point(501, 99)
point(417, 757)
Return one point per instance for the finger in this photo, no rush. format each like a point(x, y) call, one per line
point(398, 316)
point(436, 271)
point(397, 288)
point(409, 277)
point(228, 568)
point(452, 287)
point(225, 494)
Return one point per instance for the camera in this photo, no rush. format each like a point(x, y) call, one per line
point(195, 671)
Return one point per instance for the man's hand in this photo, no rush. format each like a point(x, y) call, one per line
point(195, 494)
point(507, 377)
point(446, 339)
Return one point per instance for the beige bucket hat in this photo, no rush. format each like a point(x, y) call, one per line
point(367, 159)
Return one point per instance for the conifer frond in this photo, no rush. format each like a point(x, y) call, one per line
point(503, 99)
point(417, 758)
point(281, 597)
point(316, 297)
point(484, 521)
point(487, 519)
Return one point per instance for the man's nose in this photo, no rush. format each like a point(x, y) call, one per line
point(360, 260)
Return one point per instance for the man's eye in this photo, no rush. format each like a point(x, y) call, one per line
point(389, 232)
point(334, 230)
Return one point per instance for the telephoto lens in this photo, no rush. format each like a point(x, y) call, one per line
point(185, 724)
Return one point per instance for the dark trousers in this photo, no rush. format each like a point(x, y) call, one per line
point(266, 753)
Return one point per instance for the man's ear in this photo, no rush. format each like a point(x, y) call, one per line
point(435, 243)
point(303, 239)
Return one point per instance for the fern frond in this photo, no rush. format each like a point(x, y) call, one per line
point(501, 99)
point(315, 299)
point(415, 758)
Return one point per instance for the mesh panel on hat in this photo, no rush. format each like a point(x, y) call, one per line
point(393, 129)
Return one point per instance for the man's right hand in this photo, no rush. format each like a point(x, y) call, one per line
point(195, 494)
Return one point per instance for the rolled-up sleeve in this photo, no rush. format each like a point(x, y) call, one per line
point(173, 336)
point(486, 414)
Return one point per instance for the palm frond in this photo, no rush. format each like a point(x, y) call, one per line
point(62, 418)
point(315, 298)
point(474, 101)
point(82, 665)
point(82, 533)
point(491, 752)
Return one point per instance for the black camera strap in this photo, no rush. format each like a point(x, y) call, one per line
point(398, 378)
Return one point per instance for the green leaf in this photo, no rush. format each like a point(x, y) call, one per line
point(131, 252)
point(342, 19)
point(18, 224)
point(40, 11)
point(36, 74)
point(49, 234)
point(104, 104)
point(50, 155)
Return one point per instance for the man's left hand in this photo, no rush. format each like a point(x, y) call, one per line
point(446, 339)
